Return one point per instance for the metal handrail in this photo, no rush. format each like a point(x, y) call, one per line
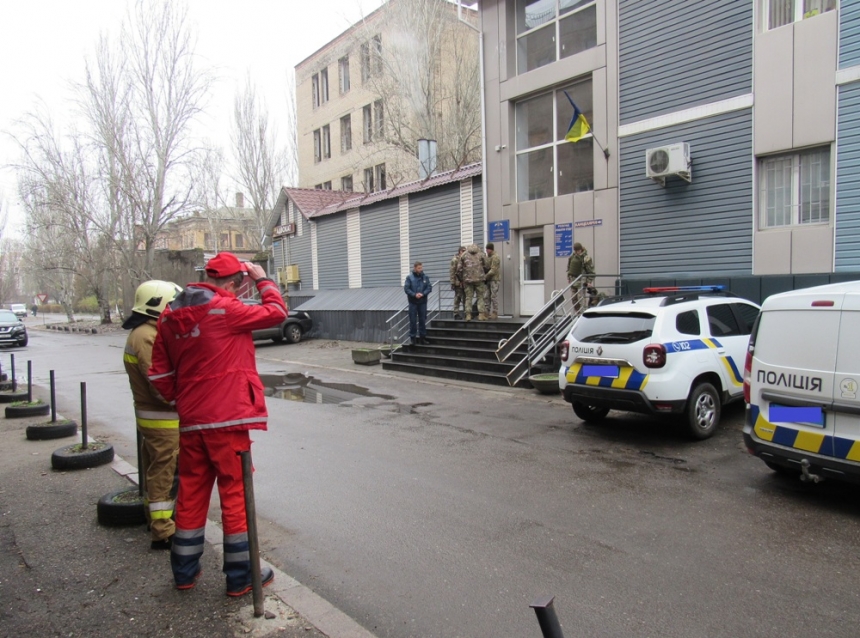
point(398, 323)
point(549, 325)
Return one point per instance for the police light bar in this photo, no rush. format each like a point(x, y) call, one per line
point(662, 289)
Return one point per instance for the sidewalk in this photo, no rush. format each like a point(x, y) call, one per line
point(62, 574)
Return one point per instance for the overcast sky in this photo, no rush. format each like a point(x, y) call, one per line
point(43, 44)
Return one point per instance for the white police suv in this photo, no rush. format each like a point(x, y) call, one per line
point(671, 351)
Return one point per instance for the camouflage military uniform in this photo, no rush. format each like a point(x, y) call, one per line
point(493, 278)
point(580, 264)
point(457, 285)
point(472, 268)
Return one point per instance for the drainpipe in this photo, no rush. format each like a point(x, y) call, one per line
point(483, 121)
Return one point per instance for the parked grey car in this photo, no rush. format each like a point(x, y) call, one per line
point(292, 329)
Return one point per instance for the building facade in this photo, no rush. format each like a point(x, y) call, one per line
point(228, 228)
point(761, 97)
point(356, 132)
point(339, 241)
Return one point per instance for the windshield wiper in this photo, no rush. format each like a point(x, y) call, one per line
point(617, 337)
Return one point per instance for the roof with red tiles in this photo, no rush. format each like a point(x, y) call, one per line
point(356, 200)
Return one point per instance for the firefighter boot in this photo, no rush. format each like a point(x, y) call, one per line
point(482, 317)
point(468, 316)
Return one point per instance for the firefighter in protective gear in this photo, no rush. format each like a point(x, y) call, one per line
point(157, 422)
point(204, 360)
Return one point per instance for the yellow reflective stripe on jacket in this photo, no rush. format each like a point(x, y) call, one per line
point(130, 358)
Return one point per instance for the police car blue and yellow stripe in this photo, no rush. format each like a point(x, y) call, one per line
point(628, 378)
point(805, 440)
point(734, 374)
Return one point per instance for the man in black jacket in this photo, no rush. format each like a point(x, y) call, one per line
point(417, 288)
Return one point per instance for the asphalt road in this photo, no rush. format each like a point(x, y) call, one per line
point(447, 510)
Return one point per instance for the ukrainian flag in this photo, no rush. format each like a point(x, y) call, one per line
point(579, 127)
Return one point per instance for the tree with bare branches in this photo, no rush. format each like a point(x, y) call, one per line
point(425, 70)
point(261, 163)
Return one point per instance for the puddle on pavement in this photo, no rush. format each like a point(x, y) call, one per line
point(307, 389)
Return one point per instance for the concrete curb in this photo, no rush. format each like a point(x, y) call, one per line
point(313, 608)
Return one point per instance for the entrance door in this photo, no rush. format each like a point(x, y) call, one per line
point(531, 279)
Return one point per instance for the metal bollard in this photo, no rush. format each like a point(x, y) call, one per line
point(141, 471)
point(83, 415)
point(29, 381)
point(547, 619)
point(253, 543)
point(53, 400)
point(14, 381)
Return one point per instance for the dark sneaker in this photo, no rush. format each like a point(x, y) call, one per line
point(266, 575)
point(192, 583)
point(425, 341)
point(164, 543)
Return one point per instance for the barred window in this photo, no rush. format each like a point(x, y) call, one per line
point(794, 189)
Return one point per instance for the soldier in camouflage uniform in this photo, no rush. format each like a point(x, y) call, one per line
point(473, 266)
point(580, 263)
point(457, 284)
point(494, 276)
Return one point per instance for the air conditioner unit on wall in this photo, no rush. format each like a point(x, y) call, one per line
point(663, 161)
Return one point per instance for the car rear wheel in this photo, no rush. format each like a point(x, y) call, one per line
point(23, 341)
point(703, 411)
point(589, 413)
point(293, 333)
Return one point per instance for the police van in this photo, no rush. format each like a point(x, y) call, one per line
point(673, 351)
point(802, 383)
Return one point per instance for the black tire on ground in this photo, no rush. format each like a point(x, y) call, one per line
point(782, 470)
point(67, 459)
point(48, 430)
point(293, 333)
point(23, 342)
point(17, 411)
point(120, 508)
point(11, 397)
point(589, 413)
point(703, 411)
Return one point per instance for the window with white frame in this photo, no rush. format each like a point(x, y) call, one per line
point(378, 121)
point(346, 183)
point(326, 142)
point(346, 133)
point(317, 146)
point(368, 180)
point(343, 74)
point(323, 86)
point(794, 188)
point(326, 186)
point(782, 12)
point(550, 30)
point(547, 164)
point(364, 58)
point(379, 172)
point(376, 55)
point(367, 115)
point(315, 90)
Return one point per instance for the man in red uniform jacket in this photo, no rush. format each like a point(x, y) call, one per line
point(204, 361)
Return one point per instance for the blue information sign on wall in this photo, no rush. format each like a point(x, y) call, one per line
point(563, 240)
point(499, 231)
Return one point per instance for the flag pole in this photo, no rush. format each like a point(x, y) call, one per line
point(605, 151)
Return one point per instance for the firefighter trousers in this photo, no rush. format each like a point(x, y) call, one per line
point(158, 451)
point(204, 457)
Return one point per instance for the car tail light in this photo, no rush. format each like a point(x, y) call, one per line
point(654, 355)
point(748, 372)
point(564, 350)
